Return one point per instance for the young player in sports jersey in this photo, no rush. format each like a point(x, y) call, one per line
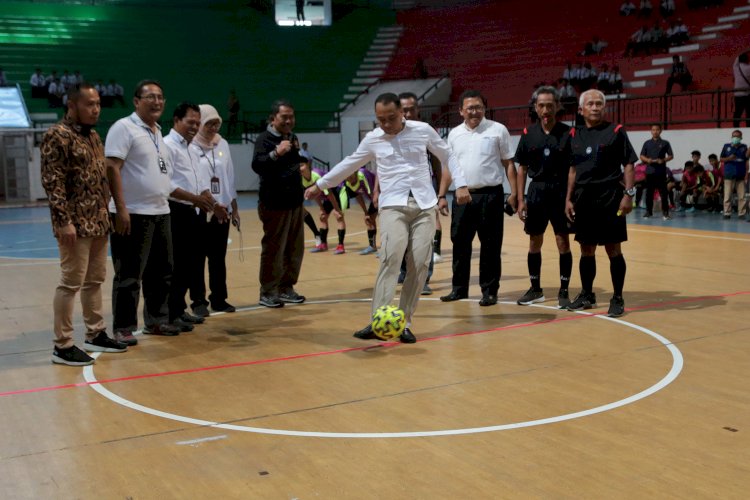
point(328, 204)
point(358, 186)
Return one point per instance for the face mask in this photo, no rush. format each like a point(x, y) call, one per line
point(736, 140)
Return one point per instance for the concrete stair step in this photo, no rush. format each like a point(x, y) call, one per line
point(738, 10)
point(375, 60)
point(376, 73)
point(372, 66)
point(734, 17)
point(367, 80)
point(718, 27)
point(638, 84)
point(705, 36)
point(357, 88)
point(685, 48)
point(649, 72)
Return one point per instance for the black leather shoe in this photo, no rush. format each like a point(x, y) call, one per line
point(488, 300)
point(365, 333)
point(196, 320)
point(407, 337)
point(184, 326)
point(454, 295)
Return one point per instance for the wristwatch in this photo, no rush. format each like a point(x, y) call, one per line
point(630, 192)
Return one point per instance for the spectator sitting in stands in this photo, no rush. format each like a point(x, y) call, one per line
point(657, 38)
point(78, 77)
point(588, 76)
point(104, 95)
point(575, 76)
point(710, 183)
point(639, 178)
point(679, 74)
point(594, 47)
point(627, 8)
point(666, 8)
point(50, 78)
point(568, 95)
point(602, 81)
point(691, 188)
point(3, 79)
point(615, 80)
point(568, 71)
point(695, 155)
point(67, 80)
point(645, 8)
point(677, 33)
point(638, 42)
point(55, 92)
point(718, 170)
point(118, 93)
point(38, 84)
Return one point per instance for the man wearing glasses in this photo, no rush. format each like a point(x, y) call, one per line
point(139, 170)
point(484, 151)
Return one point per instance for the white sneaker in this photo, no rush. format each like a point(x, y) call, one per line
point(318, 241)
point(437, 258)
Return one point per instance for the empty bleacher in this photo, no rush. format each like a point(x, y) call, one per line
point(197, 52)
point(505, 48)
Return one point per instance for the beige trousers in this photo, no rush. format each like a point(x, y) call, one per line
point(729, 187)
point(401, 229)
point(83, 267)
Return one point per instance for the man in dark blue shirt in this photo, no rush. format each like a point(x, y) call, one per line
point(596, 200)
point(655, 153)
point(734, 156)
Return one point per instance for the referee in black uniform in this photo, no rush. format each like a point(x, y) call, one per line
point(599, 196)
point(544, 154)
point(656, 152)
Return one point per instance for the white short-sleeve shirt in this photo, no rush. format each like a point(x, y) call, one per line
point(144, 186)
point(480, 152)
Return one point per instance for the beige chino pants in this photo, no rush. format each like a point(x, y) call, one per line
point(404, 228)
point(83, 267)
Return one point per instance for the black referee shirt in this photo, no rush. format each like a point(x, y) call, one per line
point(547, 156)
point(599, 152)
point(656, 149)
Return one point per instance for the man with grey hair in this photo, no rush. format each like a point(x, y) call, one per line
point(544, 154)
point(600, 195)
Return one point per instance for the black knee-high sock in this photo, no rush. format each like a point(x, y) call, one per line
point(311, 224)
point(535, 269)
point(617, 269)
point(342, 233)
point(587, 268)
point(436, 242)
point(371, 233)
point(324, 235)
point(566, 269)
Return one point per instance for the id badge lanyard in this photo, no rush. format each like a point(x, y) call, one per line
point(162, 164)
point(215, 184)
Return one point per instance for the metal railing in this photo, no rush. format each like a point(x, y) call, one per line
point(699, 108)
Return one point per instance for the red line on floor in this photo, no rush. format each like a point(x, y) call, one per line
point(360, 348)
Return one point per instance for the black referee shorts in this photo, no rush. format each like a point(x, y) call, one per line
point(596, 219)
point(545, 203)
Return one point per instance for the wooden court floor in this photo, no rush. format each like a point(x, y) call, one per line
point(496, 402)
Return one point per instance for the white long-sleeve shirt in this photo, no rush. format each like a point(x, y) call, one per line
point(401, 164)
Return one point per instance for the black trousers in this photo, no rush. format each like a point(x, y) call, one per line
point(188, 246)
point(658, 182)
point(483, 216)
point(217, 234)
point(282, 249)
point(144, 255)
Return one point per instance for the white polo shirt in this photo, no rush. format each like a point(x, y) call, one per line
point(401, 164)
point(216, 161)
point(144, 186)
point(480, 151)
point(187, 174)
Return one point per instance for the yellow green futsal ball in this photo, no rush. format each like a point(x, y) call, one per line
point(388, 322)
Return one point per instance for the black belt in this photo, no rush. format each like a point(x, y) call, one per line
point(487, 189)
